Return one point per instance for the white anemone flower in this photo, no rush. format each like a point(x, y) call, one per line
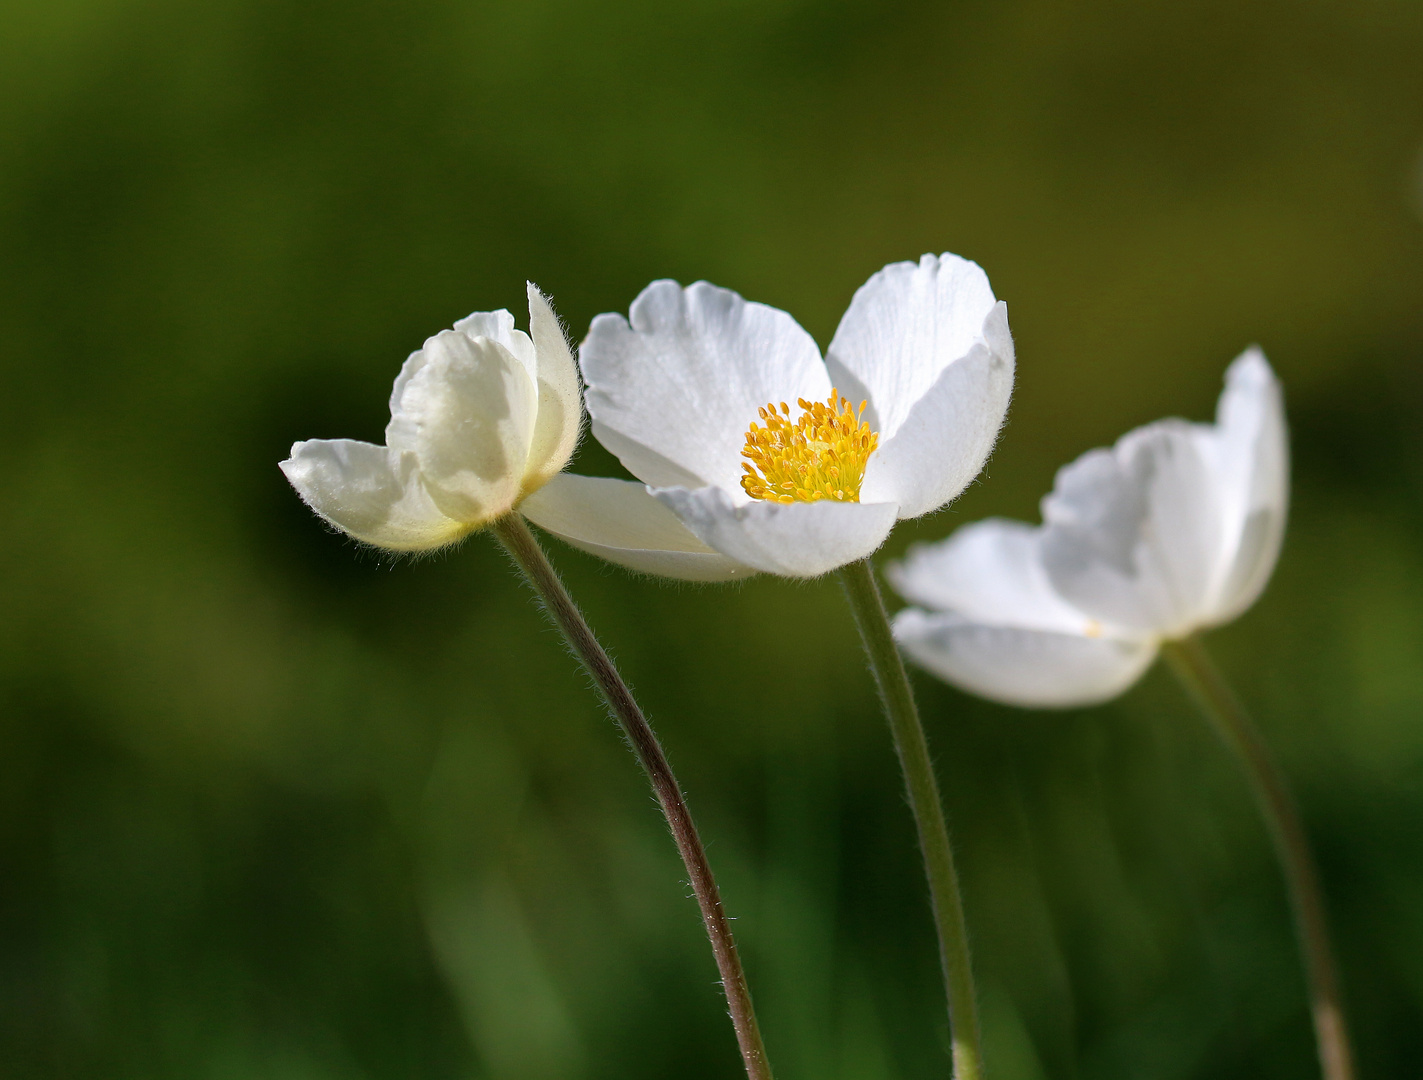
point(1174, 529)
point(751, 451)
point(480, 418)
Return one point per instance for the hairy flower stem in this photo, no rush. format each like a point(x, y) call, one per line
point(1193, 666)
point(913, 748)
point(513, 532)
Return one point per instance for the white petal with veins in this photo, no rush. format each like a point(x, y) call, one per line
point(800, 539)
point(947, 436)
point(619, 521)
point(905, 325)
point(370, 492)
point(680, 380)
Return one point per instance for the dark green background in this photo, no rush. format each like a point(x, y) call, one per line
point(273, 807)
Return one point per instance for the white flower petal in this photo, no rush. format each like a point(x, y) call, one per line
point(642, 462)
point(560, 416)
point(499, 326)
point(1032, 668)
point(1249, 450)
point(1132, 534)
point(802, 539)
point(467, 410)
point(408, 370)
point(905, 325)
point(989, 572)
point(948, 434)
point(619, 521)
point(681, 383)
point(371, 493)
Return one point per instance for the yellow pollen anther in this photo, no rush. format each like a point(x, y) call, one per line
point(821, 455)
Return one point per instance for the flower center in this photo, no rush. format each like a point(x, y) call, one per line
point(821, 455)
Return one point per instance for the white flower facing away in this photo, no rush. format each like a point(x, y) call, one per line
point(480, 417)
point(754, 454)
point(1174, 529)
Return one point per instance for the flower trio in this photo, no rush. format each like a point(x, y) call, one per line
point(755, 454)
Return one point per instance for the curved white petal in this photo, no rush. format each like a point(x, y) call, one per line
point(1132, 534)
point(495, 325)
point(1249, 451)
point(499, 326)
point(408, 370)
point(560, 408)
point(947, 436)
point(371, 493)
point(989, 572)
point(681, 382)
point(905, 325)
point(466, 409)
point(643, 462)
point(1031, 668)
point(619, 521)
point(802, 539)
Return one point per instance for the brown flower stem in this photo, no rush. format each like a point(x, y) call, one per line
point(514, 533)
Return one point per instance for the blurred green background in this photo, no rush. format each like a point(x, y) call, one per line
point(273, 807)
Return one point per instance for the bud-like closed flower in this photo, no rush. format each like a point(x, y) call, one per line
point(480, 418)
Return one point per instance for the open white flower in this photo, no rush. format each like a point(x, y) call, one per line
point(480, 418)
point(1174, 529)
point(751, 451)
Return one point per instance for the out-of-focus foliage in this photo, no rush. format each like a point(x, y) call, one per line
point(273, 807)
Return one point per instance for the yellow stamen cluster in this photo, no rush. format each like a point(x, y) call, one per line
point(822, 455)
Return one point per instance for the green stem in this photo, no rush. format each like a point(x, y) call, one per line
point(1204, 682)
point(513, 532)
point(913, 748)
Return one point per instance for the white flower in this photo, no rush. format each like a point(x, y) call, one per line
point(1174, 529)
point(481, 417)
point(752, 452)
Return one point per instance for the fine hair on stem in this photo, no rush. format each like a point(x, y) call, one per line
point(523, 547)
